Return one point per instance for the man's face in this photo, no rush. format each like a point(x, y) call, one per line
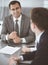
point(15, 10)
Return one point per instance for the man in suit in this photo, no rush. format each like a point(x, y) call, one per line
point(9, 32)
point(39, 25)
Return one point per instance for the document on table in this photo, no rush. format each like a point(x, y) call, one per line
point(9, 50)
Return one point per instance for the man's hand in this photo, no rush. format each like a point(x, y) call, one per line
point(12, 35)
point(17, 40)
point(13, 60)
point(25, 49)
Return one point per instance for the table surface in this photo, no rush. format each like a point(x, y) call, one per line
point(6, 57)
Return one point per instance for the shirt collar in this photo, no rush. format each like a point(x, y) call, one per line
point(38, 37)
point(19, 18)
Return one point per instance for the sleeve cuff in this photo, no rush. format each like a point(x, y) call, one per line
point(7, 37)
point(23, 40)
point(21, 57)
point(33, 49)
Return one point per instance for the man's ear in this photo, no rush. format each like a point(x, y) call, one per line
point(33, 25)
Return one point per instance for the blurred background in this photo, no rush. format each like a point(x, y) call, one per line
point(27, 5)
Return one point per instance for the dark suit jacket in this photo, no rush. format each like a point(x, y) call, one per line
point(25, 31)
point(41, 55)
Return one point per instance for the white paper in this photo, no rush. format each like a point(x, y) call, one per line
point(9, 50)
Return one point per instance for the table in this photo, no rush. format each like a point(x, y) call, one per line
point(4, 58)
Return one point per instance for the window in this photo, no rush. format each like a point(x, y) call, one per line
point(46, 4)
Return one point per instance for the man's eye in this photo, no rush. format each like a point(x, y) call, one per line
point(13, 9)
point(17, 8)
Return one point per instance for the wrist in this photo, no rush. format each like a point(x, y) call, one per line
point(29, 49)
point(23, 40)
point(8, 36)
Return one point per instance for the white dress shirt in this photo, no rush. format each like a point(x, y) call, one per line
point(19, 25)
point(36, 41)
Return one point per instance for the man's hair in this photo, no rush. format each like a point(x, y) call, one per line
point(14, 2)
point(39, 17)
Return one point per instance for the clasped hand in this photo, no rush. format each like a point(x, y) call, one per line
point(14, 37)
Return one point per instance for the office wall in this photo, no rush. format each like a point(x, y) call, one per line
point(27, 5)
point(24, 3)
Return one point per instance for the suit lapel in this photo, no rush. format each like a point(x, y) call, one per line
point(12, 24)
point(41, 39)
point(22, 25)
